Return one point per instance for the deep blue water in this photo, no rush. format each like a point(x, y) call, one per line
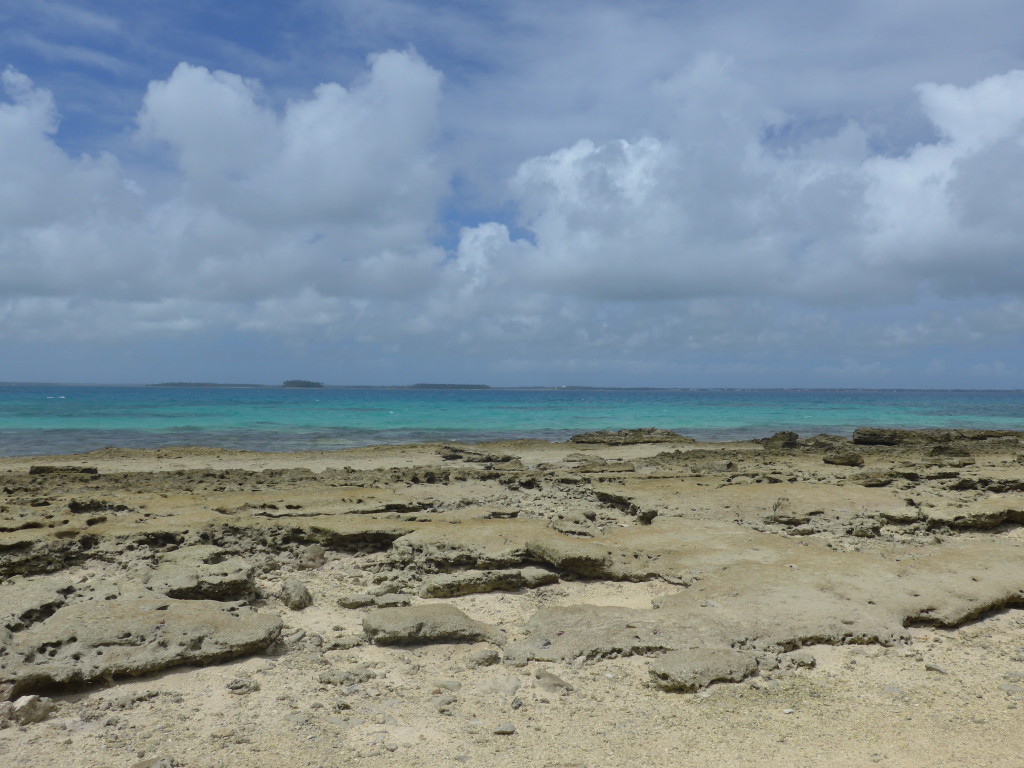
point(37, 419)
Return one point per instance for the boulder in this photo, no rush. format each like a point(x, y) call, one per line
point(295, 595)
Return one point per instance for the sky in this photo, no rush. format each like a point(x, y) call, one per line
point(685, 193)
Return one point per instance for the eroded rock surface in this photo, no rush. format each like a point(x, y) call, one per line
point(100, 639)
point(696, 668)
point(427, 624)
point(761, 548)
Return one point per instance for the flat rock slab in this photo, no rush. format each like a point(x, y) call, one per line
point(476, 582)
point(100, 639)
point(201, 572)
point(697, 668)
point(817, 597)
point(427, 624)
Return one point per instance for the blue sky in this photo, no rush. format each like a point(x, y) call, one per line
point(741, 194)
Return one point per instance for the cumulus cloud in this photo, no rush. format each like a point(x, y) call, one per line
point(335, 194)
point(726, 229)
point(714, 209)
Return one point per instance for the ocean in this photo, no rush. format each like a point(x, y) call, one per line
point(43, 419)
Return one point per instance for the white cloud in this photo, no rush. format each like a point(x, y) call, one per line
point(336, 194)
point(700, 237)
point(711, 209)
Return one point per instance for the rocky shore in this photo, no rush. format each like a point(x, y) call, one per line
point(619, 599)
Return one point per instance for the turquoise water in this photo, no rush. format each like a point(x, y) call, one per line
point(36, 419)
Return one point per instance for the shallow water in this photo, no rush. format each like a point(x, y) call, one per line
point(36, 419)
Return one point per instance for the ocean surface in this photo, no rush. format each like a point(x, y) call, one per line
point(41, 419)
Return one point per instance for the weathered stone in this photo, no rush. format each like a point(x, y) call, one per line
point(438, 623)
point(391, 600)
point(351, 676)
point(900, 515)
point(781, 441)
point(474, 581)
point(201, 572)
point(43, 469)
point(552, 683)
point(357, 600)
point(800, 659)
point(242, 686)
point(887, 436)
point(31, 709)
point(844, 459)
point(979, 515)
point(99, 639)
point(24, 602)
point(295, 595)
point(693, 669)
point(485, 657)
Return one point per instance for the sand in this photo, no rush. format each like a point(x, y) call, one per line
point(518, 604)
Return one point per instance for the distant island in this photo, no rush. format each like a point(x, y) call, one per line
point(302, 384)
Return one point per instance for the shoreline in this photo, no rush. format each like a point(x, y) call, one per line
point(520, 603)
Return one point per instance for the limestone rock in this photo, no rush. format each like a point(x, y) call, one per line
point(844, 459)
point(201, 572)
point(391, 600)
point(99, 639)
point(800, 659)
point(435, 623)
point(485, 657)
point(357, 600)
point(23, 602)
point(295, 595)
point(694, 669)
point(781, 441)
point(31, 709)
point(351, 676)
point(979, 515)
point(886, 436)
point(552, 683)
point(475, 581)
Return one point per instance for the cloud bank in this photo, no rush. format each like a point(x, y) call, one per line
point(726, 241)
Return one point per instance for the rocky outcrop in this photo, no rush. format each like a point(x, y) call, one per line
point(887, 436)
